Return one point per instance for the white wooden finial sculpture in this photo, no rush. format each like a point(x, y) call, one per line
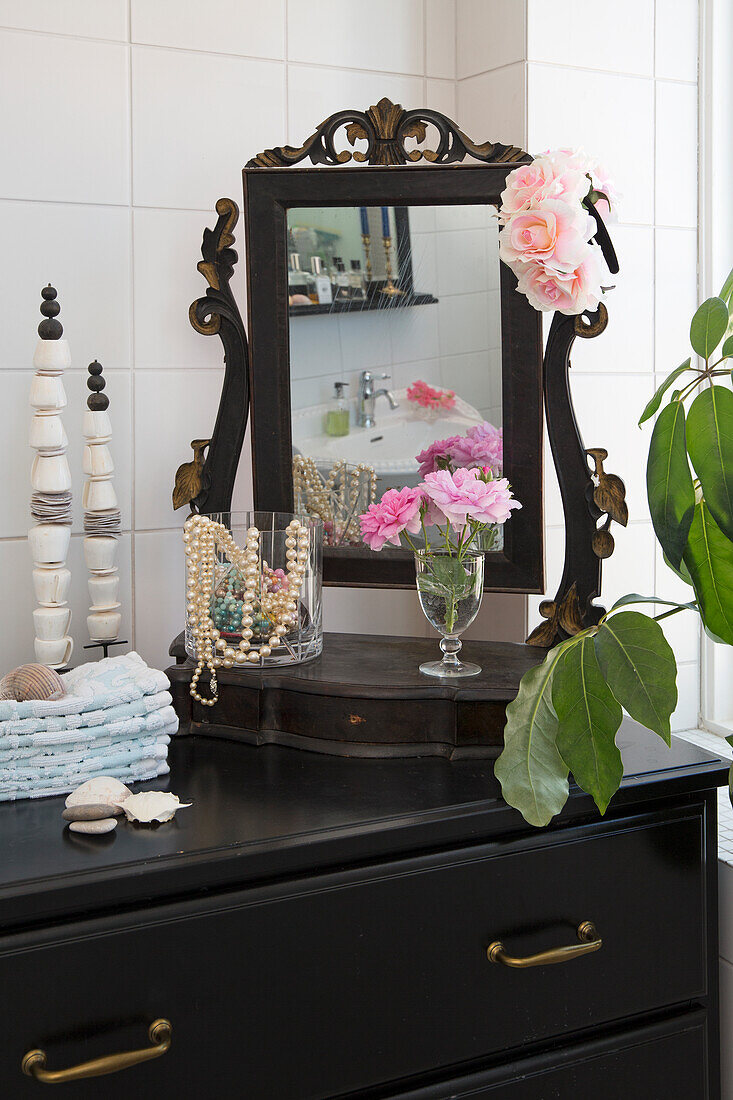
point(101, 515)
point(51, 484)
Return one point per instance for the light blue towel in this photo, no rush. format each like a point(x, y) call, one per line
point(127, 773)
point(70, 723)
point(93, 686)
point(115, 754)
point(116, 719)
point(14, 747)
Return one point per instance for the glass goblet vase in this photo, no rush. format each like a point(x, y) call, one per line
point(450, 591)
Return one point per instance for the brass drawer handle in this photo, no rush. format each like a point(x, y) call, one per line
point(590, 941)
point(160, 1033)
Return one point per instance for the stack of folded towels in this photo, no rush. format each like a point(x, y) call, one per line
point(115, 718)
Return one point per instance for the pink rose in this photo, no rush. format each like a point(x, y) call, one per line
point(481, 446)
point(567, 292)
point(551, 176)
point(397, 511)
point(463, 495)
point(554, 235)
point(437, 455)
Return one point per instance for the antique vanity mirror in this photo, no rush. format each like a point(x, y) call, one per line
point(380, 321)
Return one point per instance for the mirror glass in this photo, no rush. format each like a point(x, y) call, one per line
point(395, 345)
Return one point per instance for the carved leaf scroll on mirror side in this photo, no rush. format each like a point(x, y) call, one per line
point(388, 135)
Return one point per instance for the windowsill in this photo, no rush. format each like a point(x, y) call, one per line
point(720, 747)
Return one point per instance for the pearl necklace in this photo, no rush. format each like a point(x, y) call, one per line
point(328, 498)
point(202, 537)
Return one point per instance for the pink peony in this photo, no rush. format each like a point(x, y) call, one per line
point(566, 292)
point(555, 235)
point(465, 495)
point(438, 455)
point(397, 511)
point(481, 446)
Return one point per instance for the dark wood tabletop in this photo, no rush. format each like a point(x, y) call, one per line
point(262, 813)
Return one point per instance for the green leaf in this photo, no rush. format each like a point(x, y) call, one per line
point(708, 326)
point(634, 597)
point(709, 558)
point(669, 482)
point(656, 401)
point(727, 349)
point(683, 572)
point(588, 717)
point(710, 443)
point(726, 291)
point(639, 668)
point(533, 776)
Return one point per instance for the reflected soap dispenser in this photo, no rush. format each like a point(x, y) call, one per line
point(336, 421)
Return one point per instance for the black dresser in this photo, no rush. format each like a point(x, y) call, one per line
point(320, 927)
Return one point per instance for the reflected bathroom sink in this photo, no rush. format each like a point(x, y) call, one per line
point(391, 446)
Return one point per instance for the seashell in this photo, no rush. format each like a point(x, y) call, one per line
point(103, 788)
point(149, 806)
point(31, 682)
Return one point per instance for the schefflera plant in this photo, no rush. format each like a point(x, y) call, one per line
point(568, 709)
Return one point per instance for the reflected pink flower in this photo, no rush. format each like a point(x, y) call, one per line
point(427, 397)
point(437, 456)
point(397, 511)
point(481, 446)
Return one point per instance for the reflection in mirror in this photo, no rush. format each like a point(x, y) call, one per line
point(395, 353)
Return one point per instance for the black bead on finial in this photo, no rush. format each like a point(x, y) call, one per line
point(97, 401)
point(50, 328)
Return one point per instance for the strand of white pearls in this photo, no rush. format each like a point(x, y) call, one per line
point(202, 537)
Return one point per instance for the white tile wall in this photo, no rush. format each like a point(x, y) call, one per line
point(610, 115)
point(244, 27)
point(490, 34)
point(84, 18)
point(315, 93)
point(588, 45)
point(676, 40)
point(85, 252)
point(631, 98)
point(193, 126)
point(676, 164)
point(675, 296)
point(493, 106)
point(67, 135)
point(440, 38)
point(166, 282)
point(389, 37)
point(171, 409)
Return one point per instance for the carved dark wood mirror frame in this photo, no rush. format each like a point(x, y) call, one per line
point(591, 497)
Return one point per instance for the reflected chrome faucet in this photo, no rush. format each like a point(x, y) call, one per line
point(367, 396)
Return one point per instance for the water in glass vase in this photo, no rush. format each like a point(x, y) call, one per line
point(450, 589)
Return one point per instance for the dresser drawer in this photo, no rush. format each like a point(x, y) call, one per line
point(341, 982)
point(666, 1060)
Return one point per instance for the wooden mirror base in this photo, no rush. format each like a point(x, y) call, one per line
point(363, 697)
